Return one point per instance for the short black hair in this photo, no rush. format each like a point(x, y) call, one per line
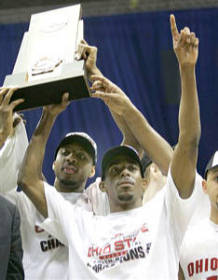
point(83, 140)
point(110, 155)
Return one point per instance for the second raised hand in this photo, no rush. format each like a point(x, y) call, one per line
point(185, 44)
point(112, 95)
point(56, 109)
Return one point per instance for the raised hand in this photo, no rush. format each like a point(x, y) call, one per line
point(55, 109)
point(112, 95)
point(89, 54)
point(185, 44)
point(6, 113)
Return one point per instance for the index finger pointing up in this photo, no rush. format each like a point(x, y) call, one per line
point(174, 30)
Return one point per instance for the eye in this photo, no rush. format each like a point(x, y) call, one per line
point(81, 156)
point(65, 152)
point(132, 167)
point(114, 170)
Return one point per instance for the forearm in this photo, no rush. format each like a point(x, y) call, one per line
point(128, 137)
point(93, 71)
point(11, 157)
point(33, 160)
point(184, 161)
point(157, 148)
point(189, 116)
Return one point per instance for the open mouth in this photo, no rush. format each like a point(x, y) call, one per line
point(70, 169)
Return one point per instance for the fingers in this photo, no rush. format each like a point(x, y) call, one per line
point(101, 95)
point(16, 102)
point(174, 30)
point(106, 97)
point(84, 51)
point(65, 99)
point(194, 41)
point(104, 81)
point(3, 91)
point(187, 39)
point(97, 85)
point(8, 96)
point(83, 41)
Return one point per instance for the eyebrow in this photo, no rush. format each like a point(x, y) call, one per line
point(120, 162)
point(65, 148)
point(214, 171)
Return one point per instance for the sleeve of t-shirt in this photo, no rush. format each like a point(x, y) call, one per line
point(11, 156)
point(180, 211)
point(64, 219)
point(98, 199)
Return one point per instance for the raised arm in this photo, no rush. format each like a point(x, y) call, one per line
point(89, 54)
point(30, 176)
point(156, 147)
point(13, 142)
point(7, 121)
point(184, 160)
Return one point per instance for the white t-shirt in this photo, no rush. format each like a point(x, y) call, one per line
point(141, 243)
point(11, 157)
point(45, 258)
point(199, 251)
point(99, 199)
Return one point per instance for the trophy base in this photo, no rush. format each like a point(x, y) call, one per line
point(47, 91)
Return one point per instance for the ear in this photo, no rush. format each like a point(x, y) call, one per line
point(204, 186)
point(102, 186)
point(53, 165)
point(144, 183)
point(92, 172)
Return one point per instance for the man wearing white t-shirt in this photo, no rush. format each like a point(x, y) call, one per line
point(133, 241)
point(199, 251)
point(45, 257)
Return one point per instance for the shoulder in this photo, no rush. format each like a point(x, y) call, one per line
point(6, 203)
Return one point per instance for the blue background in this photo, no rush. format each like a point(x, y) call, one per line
point(135, 52)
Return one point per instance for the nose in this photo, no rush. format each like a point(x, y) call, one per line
point(71, 158)
point(125, 172)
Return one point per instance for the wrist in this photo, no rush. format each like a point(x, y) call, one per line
point(187, 66)
point(49, 115)
point(94, 71)
point(128, 109)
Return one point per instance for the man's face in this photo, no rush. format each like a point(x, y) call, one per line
point(123, 182)
point(73, 165)
point(211, 187)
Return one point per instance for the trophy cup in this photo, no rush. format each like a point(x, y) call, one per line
point(45, 67)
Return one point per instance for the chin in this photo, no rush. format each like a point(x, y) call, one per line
point(126, 198)
point(68, 183)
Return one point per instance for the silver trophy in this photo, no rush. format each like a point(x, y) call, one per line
point(46, 67)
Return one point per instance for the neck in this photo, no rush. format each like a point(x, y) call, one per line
point(124, 206)
point(214, 215)
point(76, 187)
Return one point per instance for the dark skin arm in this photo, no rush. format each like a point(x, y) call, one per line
point(184, 160)
point(157, 148)
point(185, 155)
point(30, 176)
point(89, 54)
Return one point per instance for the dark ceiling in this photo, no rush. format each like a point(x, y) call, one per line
point(12, 4)
point(14, 11)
